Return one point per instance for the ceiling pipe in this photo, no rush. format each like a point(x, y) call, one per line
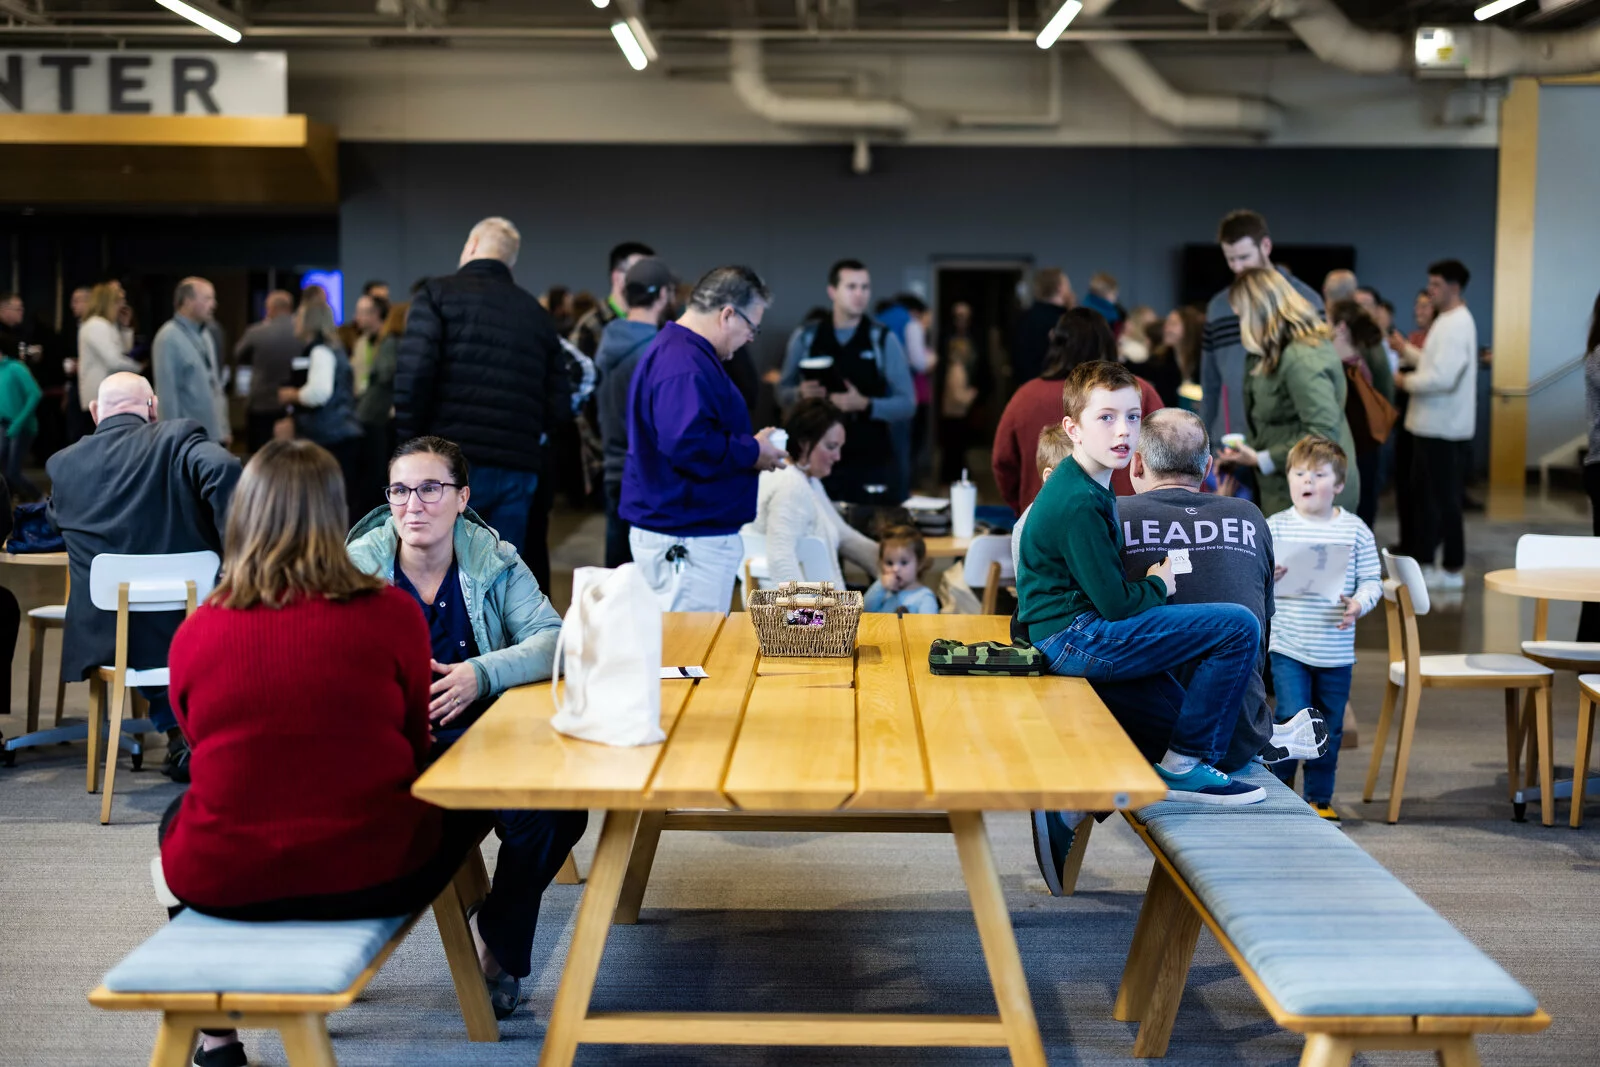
point(749, 82)
point(1049, 119)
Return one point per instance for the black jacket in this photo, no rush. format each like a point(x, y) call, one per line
point(1032, 340)
point(480, 364)
point(134, 487)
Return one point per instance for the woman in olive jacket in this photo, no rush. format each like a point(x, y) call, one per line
point(1294, 385)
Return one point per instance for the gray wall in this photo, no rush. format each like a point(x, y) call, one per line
point(790, 211)
point(1566, 259)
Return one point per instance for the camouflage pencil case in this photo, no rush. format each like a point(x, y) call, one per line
point(987, 659)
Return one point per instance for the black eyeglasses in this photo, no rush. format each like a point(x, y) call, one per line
point(427, 492)
point(755, 331)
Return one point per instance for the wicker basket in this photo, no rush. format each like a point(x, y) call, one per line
point(806, 619)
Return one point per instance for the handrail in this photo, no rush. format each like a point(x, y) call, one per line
point(1544, 382)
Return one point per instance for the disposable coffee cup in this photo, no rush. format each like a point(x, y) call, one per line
point(815, 368)
point(779, 439)
point(1233, 440)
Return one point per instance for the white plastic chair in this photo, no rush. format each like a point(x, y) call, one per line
point(1406, 597)
point(987, 566)
point(812, 552)
point(126, 584)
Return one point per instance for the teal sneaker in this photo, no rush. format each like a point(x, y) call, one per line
point(1204, 784)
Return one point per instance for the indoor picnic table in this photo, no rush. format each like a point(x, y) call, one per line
point(874, 742)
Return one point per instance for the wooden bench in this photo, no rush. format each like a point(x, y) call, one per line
point(201, 972)
point(1333, 945)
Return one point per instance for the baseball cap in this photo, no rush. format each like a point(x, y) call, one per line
point(645, 280)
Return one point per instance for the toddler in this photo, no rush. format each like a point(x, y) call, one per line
point(1054, 446)
point(899, 585)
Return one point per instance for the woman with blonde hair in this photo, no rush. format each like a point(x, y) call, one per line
point(324, 408)
point(300, 806)
point(100, 351)
point(1294, 384)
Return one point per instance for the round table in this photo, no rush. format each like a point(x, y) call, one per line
point(1543, 585)
point(35, 559)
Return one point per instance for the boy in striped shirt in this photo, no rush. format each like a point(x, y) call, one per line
point(1313, 646)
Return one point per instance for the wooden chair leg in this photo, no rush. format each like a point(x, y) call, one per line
point(1458, 1050)
point(640, 862)
point(174, 1042)
point(306, 1042)
point(97, 721)
point(1170, 973)
point(1380, 737)
point(1402, 751)
point(1326, 1050)
point(1351, 739)
point(1074, 863)
point(568, 874)
point(1138, 974)
point(450, 913)
point(1530, 739)
point(35, 671)
point(113, 747)
point(1580, 759)
point(61, 694)
point(1513, 744)
point(1547, 770)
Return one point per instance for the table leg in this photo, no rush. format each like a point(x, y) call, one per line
point(999, 941)
point(589, 938)
point(644, 858)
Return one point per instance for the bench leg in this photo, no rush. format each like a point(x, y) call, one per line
point(450, 913)
point(1380, 737)
point(306, 1042)
point(174, 1041)
point(568, 874)
point(1458, 1051)
point(1170, 973)
point(1327, 1050)
point(639, 865)
point(1074, 865)
point(1138, 975)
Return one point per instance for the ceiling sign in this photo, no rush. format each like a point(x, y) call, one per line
point(133, 82)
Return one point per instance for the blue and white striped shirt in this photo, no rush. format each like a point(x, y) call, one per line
point(1306, 628)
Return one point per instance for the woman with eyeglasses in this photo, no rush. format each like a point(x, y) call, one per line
point(490, 628)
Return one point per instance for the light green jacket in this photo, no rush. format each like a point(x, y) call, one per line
point(1305, 395)
point(512, 620)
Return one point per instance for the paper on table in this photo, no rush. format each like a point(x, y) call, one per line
point(1313, 570)
point(683, 672)
point(926, 503)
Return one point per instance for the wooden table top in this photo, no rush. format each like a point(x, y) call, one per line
point(785, 737)
point(947, 547)
point(1554, 583)
point(35, 559)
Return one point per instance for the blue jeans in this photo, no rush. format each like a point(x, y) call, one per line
point(1221, 640)
point(161, 716)
point(502, 497)
point(1328, 688)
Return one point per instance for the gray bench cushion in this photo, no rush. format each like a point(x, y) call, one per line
point(1324, 925)
point(1280, 799)
point(199, 954)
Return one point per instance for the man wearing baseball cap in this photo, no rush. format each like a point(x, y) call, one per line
point(648, 292)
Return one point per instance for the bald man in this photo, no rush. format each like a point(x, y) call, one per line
point(137, 485)
point(269, 348)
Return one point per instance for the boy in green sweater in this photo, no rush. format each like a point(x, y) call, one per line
point(1077, 607)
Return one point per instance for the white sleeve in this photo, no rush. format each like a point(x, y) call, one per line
point(318, 389)
point(917, 347)
point(1445, 358)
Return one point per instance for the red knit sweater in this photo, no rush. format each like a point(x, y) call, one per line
point(308, 725)
point(1034, 406)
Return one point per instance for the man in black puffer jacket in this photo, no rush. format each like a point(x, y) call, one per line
point(480, 364)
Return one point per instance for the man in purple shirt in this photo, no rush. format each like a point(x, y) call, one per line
point(689, 481)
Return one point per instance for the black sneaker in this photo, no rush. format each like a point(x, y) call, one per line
point(176, 765)
point(1304, 737)
point(229, 1055)
point(1052, 843)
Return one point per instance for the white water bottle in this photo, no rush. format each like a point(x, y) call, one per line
point(963, 507)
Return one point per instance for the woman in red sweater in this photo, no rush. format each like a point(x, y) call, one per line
point(302, 688)
point(1080, 336)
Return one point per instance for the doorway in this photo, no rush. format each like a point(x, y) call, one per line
point(976, 306)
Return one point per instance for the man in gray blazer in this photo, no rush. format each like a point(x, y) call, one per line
point(138, 484)
point(187, 365)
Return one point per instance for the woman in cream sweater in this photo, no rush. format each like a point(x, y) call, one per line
point(791, 502)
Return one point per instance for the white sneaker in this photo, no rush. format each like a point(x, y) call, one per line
point(1448, 581)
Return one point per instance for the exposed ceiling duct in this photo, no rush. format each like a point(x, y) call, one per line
point(750, 85)
point(1186, 111)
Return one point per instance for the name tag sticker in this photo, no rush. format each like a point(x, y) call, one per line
point(1180, 561)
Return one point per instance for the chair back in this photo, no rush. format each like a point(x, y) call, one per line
point(815, 565)
point(1401, 591)
point(1544, 551)
point(983, 551)
point(1407, 572)
point(155, 583)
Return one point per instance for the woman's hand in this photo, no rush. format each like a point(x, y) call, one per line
point(1243, 456)
point(453, 693)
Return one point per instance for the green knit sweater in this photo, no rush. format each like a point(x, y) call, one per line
point(19, 398)
point(1071, 558)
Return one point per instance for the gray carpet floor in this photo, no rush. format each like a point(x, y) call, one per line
point(797, 922)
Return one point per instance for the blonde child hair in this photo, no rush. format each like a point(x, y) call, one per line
point(1054, 447)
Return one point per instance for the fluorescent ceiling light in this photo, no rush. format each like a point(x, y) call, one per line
point(1059, 22)
point(602, 4)
point(641, 33)
point(630, 45)
point(201, 19)
point(1489, 11)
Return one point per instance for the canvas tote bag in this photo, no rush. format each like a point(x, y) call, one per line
point(610, 652)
